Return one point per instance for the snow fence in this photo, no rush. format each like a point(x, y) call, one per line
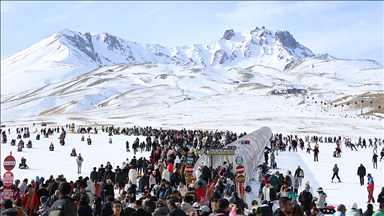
point(249, 152)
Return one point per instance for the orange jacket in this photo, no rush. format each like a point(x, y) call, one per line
point(30, 202)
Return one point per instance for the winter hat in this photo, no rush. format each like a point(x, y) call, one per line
point(307, 187)
point(196, 205)
point(204, 209)
point(43, 199)
point(354, 206)
point(17, 181)
point(320, 189)
point(7, 204)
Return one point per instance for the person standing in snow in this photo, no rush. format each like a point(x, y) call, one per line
point(299, 173)
point(79, 161)
point(370, 187)
point(374, 160)
point(361, 173)
point(316, 153)
point(335, 173)
point(305, 198)
point(321, 200)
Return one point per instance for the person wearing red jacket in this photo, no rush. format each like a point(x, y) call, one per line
point(200, 191)
point(30, 202)
point(370, 187)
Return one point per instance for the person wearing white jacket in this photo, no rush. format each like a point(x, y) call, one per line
point(354, 211)
point(23, 186)
point(321, 200)
point(91, 187)
point(166, 175)
point(177, 161)
point(132, 175)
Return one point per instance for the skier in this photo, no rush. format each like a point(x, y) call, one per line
point(361, 173)
point(335, 173)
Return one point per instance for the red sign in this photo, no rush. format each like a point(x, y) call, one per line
point(9, 163)
point(8, 179)
point(240, 169)
point(7, 193)
point(189, 169)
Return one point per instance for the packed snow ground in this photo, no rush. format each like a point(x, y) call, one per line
point(42, 162)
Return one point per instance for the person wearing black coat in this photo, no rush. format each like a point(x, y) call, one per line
point(369, 210)
point(361, 173)
point(54, 186)
point(380, 198)
point(128, 210)
point(139, 209)
point(144, 181)
point(150, 205)
point(108, 189)
point(94, 175)
point(106, 210)
point(206, 174)
point(97, 205)
point(265, 209)
point(101, 172)
point(42, 191)
point(84, 208)
point(120, 178)
point(305, 198)
point(109, 174)
point(174, 210)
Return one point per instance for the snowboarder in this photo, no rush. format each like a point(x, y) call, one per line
point(335, 173)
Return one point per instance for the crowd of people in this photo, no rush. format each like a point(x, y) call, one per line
point(158, 186)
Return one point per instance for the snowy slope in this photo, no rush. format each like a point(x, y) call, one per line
point(67, 54)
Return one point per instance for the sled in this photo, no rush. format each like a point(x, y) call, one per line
point(329, 210)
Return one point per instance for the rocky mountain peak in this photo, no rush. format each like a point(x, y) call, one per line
point(228, 34)
point(286, 39)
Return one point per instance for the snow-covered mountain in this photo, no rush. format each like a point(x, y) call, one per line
point(67, 54)
point(69, 72)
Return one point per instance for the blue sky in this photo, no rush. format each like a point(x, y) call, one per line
point(351, 30)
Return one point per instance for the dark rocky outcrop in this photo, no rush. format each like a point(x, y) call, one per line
point(286, 39)
point(228, 34)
